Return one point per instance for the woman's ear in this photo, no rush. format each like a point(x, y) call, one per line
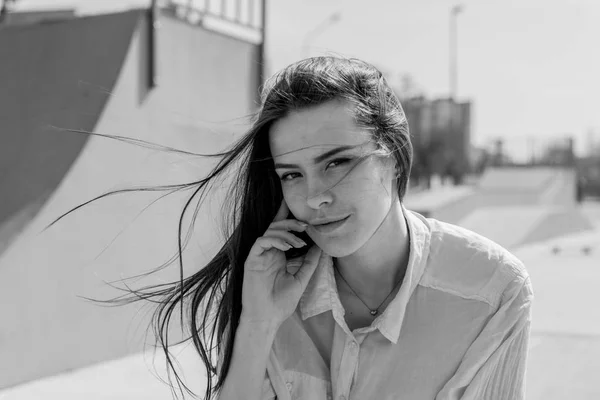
point(391, 172)
point(395, 169)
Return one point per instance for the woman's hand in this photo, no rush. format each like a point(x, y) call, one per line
point(270, 293)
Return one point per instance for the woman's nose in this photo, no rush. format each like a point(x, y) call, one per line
point(318, 197)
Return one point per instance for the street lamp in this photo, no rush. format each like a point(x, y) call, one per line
point(310, 36)
point(454, 11)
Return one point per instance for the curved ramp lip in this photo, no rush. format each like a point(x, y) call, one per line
point(45, 90)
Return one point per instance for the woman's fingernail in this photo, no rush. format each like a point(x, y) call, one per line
point(302, 243)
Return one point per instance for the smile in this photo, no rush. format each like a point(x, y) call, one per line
point(331, 226)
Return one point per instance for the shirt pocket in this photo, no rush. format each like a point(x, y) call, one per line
point(305, 386)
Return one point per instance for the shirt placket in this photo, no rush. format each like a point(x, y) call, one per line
point(348, 367)
point(349, 358)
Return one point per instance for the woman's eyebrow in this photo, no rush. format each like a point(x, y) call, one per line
point(319, 158)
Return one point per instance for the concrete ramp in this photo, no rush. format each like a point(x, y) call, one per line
point(499, 187)
point(92, 74)
point(527, 186)
point(445, 202)
point(517, 179)
point(510, 205)
point(59, 74)
point(516, 226)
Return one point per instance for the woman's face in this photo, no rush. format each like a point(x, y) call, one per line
point(333, 176)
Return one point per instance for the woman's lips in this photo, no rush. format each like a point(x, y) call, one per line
point(330, 227)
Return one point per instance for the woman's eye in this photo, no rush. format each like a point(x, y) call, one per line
point(338, 161)
point(289, 176)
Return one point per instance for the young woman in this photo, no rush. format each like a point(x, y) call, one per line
point(381, 302)
point(328, 287)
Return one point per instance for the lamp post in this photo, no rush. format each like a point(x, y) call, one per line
point(310, 36)
point(454, 11)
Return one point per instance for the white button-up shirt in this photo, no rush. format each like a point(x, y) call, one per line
point(458, 328)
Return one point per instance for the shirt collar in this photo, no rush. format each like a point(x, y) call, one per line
point(321, 292)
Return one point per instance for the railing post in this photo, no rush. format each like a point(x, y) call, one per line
point(262, 57)
point(152, 44)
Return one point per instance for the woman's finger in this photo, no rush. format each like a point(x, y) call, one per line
point(263, 244)
point(285, 235)
point(289, 225)
point(282, 213)
point(309, 265)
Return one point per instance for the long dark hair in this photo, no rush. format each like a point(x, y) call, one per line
point(211, 297)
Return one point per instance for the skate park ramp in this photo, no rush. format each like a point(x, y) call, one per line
point(511, 205)
point(519, 206)
point(514, 226)
point(92, 74)
point(39, 92)
point(528, 186)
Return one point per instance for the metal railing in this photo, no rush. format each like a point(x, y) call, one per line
point(241, 15)
point(244, 13)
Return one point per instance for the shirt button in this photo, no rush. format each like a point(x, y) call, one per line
point(353, 345)
point(289, 386)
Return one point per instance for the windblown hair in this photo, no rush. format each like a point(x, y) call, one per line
point(212, 297)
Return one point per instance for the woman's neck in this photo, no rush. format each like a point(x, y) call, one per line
point(375, 269)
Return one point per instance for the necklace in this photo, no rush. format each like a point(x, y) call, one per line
point(372, 311)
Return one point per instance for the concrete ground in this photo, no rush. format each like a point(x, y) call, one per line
point(564, 358)
point(134, 377)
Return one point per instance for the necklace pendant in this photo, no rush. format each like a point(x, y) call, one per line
point(373, 312)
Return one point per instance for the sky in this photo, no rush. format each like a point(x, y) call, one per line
point(529, 67)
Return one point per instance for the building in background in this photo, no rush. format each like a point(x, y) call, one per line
point(441, 136)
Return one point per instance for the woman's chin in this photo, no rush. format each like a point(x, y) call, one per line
point(334, 246)
point(334, 251)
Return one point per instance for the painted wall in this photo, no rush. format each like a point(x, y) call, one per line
point(206, 83)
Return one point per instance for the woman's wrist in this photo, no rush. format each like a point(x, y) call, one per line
point(266, 326)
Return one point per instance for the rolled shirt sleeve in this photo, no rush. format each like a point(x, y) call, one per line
point(494, 366)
